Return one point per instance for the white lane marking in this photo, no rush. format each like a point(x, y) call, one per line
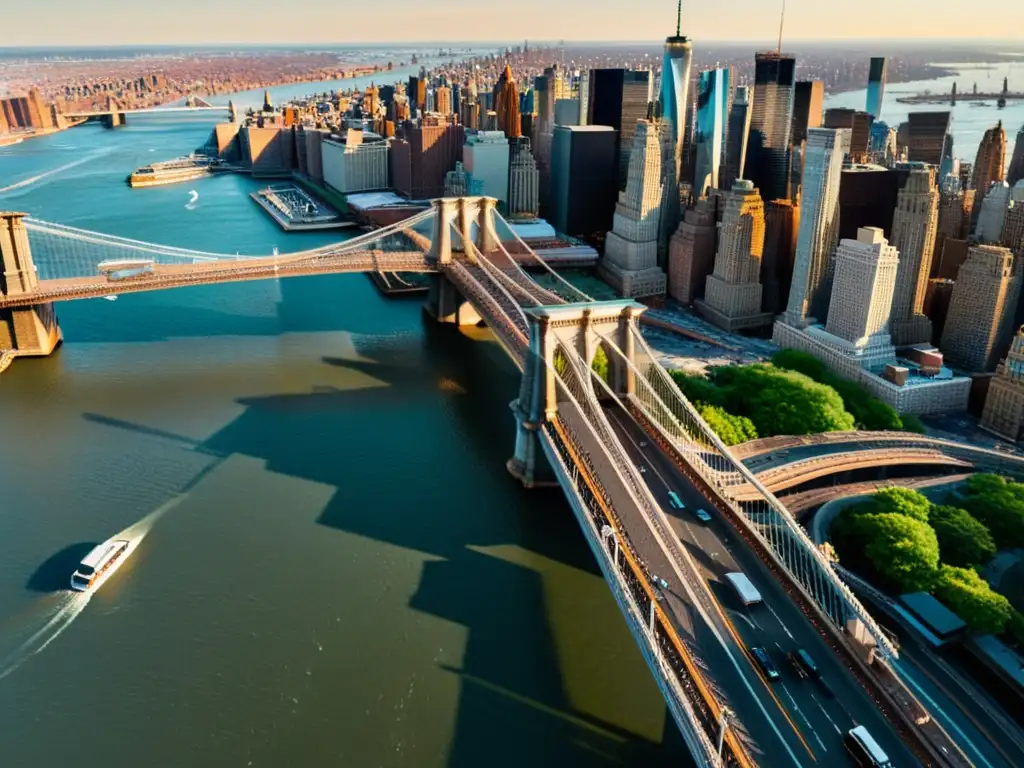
point(784, 627)
point(801, 713)
point(738, 615)
point(825, 713)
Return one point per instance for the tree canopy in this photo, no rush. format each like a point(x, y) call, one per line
point(998, 504)
point(900, 501)
point(971, 598)
point(963, 541)
point(733, 430)
point(904, 551)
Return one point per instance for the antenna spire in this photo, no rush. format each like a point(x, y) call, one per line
point(782, 22)
point(679, 18)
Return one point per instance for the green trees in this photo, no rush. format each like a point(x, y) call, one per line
point(963, 540)
point(998, 504)
point(600, 364)
point(971, 598)
point(733, 430)
point(900, 501)
point(904, 551)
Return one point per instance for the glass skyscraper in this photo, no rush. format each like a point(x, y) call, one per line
point(770, 124)
point(876, 86)
point(675, 85)
point(709, 137)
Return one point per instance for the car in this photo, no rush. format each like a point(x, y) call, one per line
point(764, 661)
point(806, 663)
point(797, 666)
point(703, 516)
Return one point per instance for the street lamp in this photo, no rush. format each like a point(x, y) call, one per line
point(723, 722)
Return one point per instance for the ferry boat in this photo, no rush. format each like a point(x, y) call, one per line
point(173, 171)
point(101, 560)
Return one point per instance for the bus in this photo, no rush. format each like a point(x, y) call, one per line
point(674, 500)
point(745, 589)
point(865, 750)
point(124, 269)
point(100, 560)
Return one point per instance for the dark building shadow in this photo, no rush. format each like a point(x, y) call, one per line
point(54, 575)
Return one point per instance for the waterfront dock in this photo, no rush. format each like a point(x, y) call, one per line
point(295, 210)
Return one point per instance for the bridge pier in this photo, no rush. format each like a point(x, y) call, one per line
point(114, 120)
point(446, 305)
point(30, 330)
point(535, 405)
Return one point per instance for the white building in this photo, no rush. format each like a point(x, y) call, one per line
point(358, 163)
point(485, 157)
point(993, 213)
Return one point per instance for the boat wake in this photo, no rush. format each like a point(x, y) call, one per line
point(46, 174)
point(70, 604)
point(191, 204)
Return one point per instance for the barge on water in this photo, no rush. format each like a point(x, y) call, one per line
point(192, 166)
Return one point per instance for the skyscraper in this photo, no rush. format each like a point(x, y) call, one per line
point(582, 179)
point(618, 98)
point(630, 262)
point(808, 98)
point(709, 137)
point(955, 207)
point(421, 158)
point(485, 157)
point(767, 164)
point(993, 214)
point(736, 136)
point(781, 222)
point(990, 162)
point(692, 252)
point(523, 181)
point(819, 226)
point(1016, 171)
point(1013, 224)
point(670, 197)
point(913, 234)
point(675, 86)
point(928, 137)
point(876, 86)
point(978, 325)
point(1004, 404)
point(732, 297)
point(443, 100)
point(506, 104)
point(859, 124)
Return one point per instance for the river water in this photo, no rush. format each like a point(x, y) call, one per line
point(332, 567)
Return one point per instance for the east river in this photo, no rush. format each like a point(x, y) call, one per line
point(333, 566)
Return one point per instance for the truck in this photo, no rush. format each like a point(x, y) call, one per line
point(745, 589)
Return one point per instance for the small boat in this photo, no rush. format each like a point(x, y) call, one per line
point(101, 561)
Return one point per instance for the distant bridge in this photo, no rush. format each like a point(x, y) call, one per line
point(144, 111)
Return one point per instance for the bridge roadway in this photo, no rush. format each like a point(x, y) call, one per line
point(794, 721)
point(221, 271)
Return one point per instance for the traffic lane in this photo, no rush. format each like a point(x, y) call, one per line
point(851, 704)
point(752, 627)
point(720, 657)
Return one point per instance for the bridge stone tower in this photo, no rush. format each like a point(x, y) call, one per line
point(444, 302)
point(30, 329)
point(559, 335)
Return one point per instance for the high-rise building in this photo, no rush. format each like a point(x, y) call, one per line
point(1013, 224)
point(443, 100)
point(1003, 414)
point(928, 137)
point(709, 137)
point(618, 98)
point(736, 136)
point(567, 112)
point(782, 220)
point(506, 104)
point(980, 316)
point(523, 181)
point(670, 195)
point(630, 263)
point(486, 157)
point(583, 177)
point(913, 234)
point(867, 198)
point(993, 213)
point(859, 124)
point(359, 163)
point(876, 86)
point(456, 183)
point(1016, 170)
point(955, 207)
point(767, 164)
point(423, 155)
point(675, 87)
point(692, 252)
point(990, 162)
point(808, 99)
point(819, 226)
point(732, 296)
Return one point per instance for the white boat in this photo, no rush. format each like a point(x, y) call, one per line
point(103, 560)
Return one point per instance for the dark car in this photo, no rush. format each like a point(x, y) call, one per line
point(765, 662)
point(804, 660)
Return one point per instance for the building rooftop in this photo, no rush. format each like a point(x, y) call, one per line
point(938, 618)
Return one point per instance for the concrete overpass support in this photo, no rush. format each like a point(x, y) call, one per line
point(30, 330)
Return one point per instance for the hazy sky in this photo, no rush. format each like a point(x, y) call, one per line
point(126, 22)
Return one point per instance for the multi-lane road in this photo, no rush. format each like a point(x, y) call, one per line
point(792, 721)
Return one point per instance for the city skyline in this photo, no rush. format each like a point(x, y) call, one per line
point(110, 22)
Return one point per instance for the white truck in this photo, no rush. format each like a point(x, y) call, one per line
point(744, 588)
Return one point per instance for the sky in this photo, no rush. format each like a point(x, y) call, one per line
point(142, 22)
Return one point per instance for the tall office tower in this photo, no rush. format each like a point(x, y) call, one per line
point(876, 86)
point(675, 86)
point(709, 136)
point(567, 112)
point(692, 252)
point(583, 94)
point(424, 154)
point(456, 182)
point(862, 294)
point(913, 235)
point(927, 137)
point(1003, 414)
point(859, 124)
point(867, 198)
point(630, 263)
point(767, 164)
point(732, 296)
point(583, 176)
point(485, 157)
point(882, 146)
point(993, 213)
point(443, 100)
point(670, 197)
point(618, 98)
point(808, 98)
point(990, 162)
point(782, 219)
point(955, 208)
point(1016, 170)
point(506, 104)
point(428, 105)
point(979, 322)
point(1013, 224)
point(736, 136)
point(523, 181)
point(819, 226)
